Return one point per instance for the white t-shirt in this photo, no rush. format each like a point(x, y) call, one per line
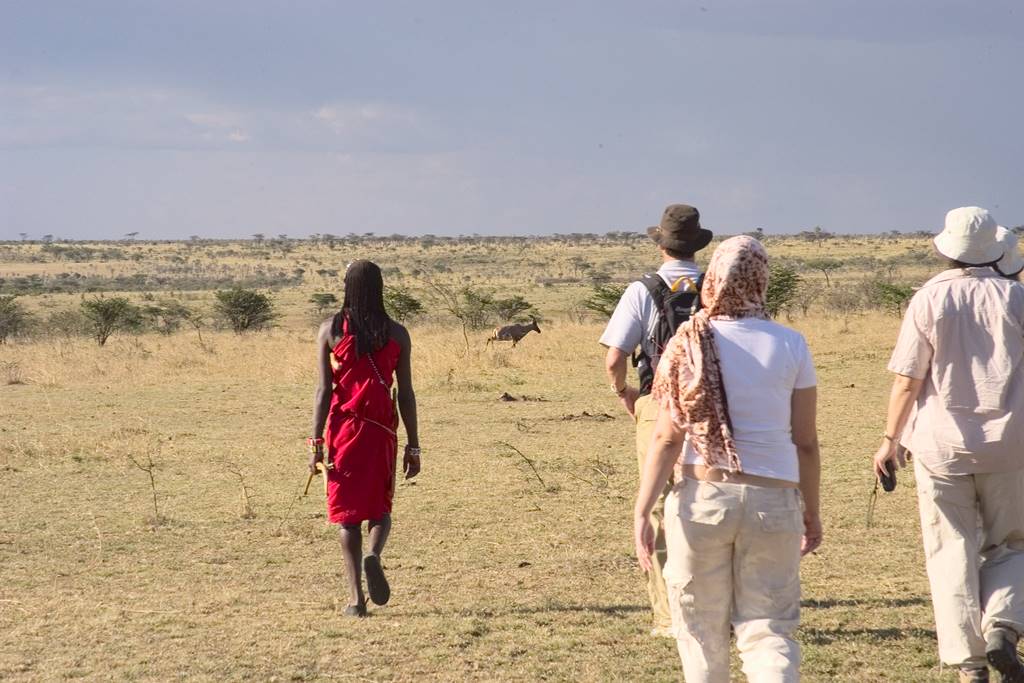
point(634, 314)
point(762, 363)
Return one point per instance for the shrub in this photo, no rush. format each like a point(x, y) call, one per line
point(67, 323)
point(244, 310)
point(783, 282)
point(167, 317)
point(604, 298)
point(476, 307)
point(891, 295)
point(322, 302)
point(14, 319)
point(106, 316)
point(512, 308)
point(845, 301)
point(471, 307)
point(400, 304)
point(805, 296)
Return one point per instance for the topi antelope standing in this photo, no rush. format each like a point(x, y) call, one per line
point(513, 333)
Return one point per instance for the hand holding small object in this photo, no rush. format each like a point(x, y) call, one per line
point(888, 458)
point(317, 462)
point(411, 461)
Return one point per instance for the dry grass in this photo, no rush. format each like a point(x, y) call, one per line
point(496, 576)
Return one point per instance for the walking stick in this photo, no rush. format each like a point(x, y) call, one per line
point(320, 468)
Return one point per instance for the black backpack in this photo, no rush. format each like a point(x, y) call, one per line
point(671, 309)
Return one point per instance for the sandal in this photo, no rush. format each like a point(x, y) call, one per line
point(376, 583)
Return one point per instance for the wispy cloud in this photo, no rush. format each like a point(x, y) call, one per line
point(78, 116)
point(344, 117)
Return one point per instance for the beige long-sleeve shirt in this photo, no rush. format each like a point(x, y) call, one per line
point(963, 334)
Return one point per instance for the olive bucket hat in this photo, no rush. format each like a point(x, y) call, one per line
point(680, 230)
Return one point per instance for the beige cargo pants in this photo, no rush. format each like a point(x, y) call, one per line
point(646, 414)
point(973, 531)
point(734, 558)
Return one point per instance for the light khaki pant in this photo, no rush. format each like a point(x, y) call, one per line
point(734, 558)
point(646, 412)
point(973, 531)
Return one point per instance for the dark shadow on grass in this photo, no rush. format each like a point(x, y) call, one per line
point(607, 610)
point(890, 603)
point(827, 636)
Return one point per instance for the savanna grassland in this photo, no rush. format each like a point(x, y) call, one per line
point(151, 527)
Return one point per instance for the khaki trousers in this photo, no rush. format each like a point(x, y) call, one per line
point(973, 531)
point(734, 558)
point(646, 413)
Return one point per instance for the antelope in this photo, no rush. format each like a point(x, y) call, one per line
point(513, 333)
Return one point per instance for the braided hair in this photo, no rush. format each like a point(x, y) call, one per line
point(363, 308)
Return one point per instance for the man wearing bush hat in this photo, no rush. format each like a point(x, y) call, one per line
point(957, 404)
point(635, 327)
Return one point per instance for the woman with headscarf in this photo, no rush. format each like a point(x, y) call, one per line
point(359, 351)
point(737, 396)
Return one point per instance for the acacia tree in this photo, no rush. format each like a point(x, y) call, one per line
point(244, 310)
point(892, 296)
point(825, 266)
point(470, 306)
point(783, 282)
point(14, 319)
point(106, 316)
point(401, 305)
point(604, 298)
point(512, 308)
point(845, 301)
point(805, 296)
point(168, 316)
point(322, 302)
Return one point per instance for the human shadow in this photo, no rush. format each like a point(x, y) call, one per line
point(486, 612)
point(890, 603)
point(826, 636)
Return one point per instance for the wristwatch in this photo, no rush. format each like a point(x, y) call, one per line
point(619, 392)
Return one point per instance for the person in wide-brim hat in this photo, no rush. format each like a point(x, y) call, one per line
point(957, 404)
point(679, 230)
point(969, 237)
point(1011, 264)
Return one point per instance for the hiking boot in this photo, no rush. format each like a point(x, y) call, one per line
point(1001, 651)
point(974, 675)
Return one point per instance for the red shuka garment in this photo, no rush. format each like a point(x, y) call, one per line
point(360, 434)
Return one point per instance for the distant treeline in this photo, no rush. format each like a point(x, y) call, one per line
point(105, 250)
point(74, 283)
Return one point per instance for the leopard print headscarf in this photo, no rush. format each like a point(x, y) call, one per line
point(688, 381)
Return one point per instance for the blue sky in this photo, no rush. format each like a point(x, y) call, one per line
point(224, 118)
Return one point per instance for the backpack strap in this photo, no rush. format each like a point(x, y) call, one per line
point(656, 287)
point(697, 305)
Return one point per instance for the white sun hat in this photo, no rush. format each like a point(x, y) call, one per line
point(969, 236)
point(1011, 263)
